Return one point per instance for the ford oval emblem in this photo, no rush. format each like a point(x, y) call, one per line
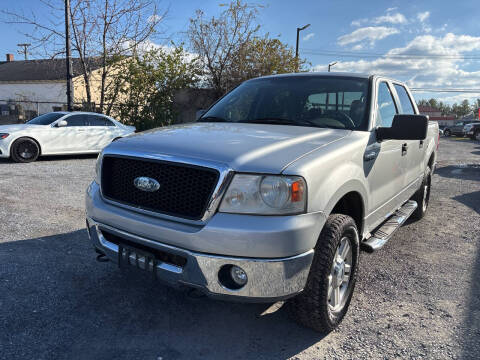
point(147, 184)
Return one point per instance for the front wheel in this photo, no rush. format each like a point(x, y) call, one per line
point(447, 132)
point(422, 196)
point(329, 289)
point(25, 150)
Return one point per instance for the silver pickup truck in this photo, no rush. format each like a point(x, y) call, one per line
point(272, 193)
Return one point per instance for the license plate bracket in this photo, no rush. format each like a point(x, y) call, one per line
point(129, 256)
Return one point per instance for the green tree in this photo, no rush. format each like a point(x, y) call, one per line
point(231, 50)
point(263, 56)
point(148, 83)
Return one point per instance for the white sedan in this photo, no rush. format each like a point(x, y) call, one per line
point(60, 133)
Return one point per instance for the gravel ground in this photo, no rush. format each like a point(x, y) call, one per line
point(416, 298)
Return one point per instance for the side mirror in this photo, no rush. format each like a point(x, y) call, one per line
point(199, 113)
point(62, 123)
point(405, 127)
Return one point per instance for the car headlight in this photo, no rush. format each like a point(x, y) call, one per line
point(265, 195)
point(98, 168)
point(467, 127)
point(3, 135)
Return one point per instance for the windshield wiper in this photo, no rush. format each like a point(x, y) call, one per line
point(211, 119)
point(281, 121)
point(271, 120)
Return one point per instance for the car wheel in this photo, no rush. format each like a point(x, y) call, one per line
point(25, 150)
point(331, 281)
point(476, 136)
point(422, 196)
point(447, 132)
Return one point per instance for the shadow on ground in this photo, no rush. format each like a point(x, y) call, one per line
point(463, 172)
point(55, 158)
point(58, 302)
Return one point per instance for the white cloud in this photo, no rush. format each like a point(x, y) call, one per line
point(396, 18)
point(439, 66)
point(423, 16)
point(357, 47)
point(308, 36)
point(370, 34)
point(388, 18)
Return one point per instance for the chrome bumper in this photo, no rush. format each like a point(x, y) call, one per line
point(268, 279)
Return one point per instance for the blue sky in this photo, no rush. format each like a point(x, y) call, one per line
point(352, 33)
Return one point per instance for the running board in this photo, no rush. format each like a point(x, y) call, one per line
point(388, 228)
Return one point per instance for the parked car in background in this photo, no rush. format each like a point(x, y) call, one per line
point(472, 130)
point(60, 133)
point(457, 128)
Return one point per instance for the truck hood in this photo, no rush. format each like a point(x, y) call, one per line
point(243, 147)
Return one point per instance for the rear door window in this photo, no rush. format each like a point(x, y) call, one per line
point(405, 101)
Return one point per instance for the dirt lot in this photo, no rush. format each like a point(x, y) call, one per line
point(419, 297)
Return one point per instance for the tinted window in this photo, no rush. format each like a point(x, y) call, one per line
point(405, 102)
point(46, 119)
point(386, 109)
point(94, 120)
point(317, 101)
point(76, 120)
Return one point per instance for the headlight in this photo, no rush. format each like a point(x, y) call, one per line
point(467, 127)
point(3, 135)
point(265, 195)
point(98, 168)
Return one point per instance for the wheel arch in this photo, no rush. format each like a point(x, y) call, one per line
point(349, 200)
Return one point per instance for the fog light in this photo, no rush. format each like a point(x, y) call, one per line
point(238, 275)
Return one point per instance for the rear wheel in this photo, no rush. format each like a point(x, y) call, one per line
point(328, 292)
point(422, 196)
point(476, 135)
point(25, 150)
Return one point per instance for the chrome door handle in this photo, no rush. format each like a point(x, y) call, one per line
point(404, 149)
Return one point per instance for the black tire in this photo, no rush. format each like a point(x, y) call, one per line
point(447, 132)
point(422, 196)
point(312, 307)
point(25, 150)
point(476, 135)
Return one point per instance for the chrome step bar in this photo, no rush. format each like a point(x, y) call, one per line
point(388, 228)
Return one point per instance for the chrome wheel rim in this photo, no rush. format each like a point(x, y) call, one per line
point(340, 275)
point(477, 136)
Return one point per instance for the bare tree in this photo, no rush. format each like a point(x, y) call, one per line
point(218, 40)
point(104, 32)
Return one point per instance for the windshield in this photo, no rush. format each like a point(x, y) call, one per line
point(318, 101)
point(45, 119)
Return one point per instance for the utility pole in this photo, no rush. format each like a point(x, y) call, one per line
point(330, 65)
point(68, 57)
point(298, 35)
point(25, 50)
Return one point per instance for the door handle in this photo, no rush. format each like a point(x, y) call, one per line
point(421, 144)
point(404, 149)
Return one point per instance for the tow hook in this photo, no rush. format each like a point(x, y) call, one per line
point(101, 257)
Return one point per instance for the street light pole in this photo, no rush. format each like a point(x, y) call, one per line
point(298, 36)
point(330, 65)
point(68, 57)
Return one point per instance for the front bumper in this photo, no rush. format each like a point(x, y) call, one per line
point(268, 279)
point(4, 153)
